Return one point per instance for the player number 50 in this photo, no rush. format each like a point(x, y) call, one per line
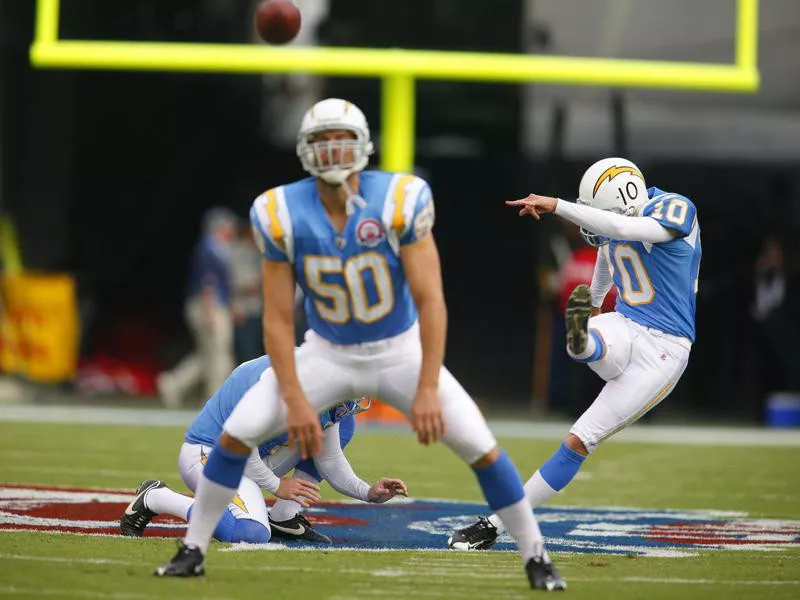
point(333, 304)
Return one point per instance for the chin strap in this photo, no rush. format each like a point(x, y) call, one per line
point(353, 200)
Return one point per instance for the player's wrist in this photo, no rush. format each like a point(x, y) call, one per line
point(294, 397)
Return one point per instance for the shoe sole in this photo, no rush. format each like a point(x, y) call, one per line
point(579, 309)
point(467, 547)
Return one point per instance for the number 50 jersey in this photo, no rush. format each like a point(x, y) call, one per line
point(353, 280)
point(657, 283)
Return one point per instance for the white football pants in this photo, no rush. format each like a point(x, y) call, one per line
point(640, 365)
point(249, 501)
point(388, 369)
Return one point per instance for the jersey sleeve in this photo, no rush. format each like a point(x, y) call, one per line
point(272, 226)
point(672, 211)
point(409, 212)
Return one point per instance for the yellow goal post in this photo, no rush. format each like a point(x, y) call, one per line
point(399, 68)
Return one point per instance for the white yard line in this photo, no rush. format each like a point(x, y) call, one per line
point(640, 433)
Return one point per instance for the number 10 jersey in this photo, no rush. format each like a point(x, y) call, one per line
point(657, 283)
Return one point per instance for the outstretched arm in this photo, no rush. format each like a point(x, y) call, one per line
point(287, 488)
point(619, 227)
point(336, 470)
point(602, 222)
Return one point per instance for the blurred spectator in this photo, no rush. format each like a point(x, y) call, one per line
point(207, 312)
point(776, 310)
point(247, 299)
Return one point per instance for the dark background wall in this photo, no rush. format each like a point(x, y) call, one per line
point(107, 175)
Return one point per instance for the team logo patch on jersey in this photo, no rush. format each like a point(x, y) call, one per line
point(426, 524)
point(370, 233)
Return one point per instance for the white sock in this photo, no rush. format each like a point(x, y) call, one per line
point(283, 510)
point(537, 492)
point(591, 346)
point(210, 501)
point(523, 527)
point(164, 501)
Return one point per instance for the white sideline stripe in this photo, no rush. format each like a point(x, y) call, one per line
point(638, 433)
point(394, 573)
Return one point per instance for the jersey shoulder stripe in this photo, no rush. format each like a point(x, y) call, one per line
point(401, 203)
point(272, 225)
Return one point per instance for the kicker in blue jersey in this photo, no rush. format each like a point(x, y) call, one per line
point(657, 283)
point(353, 280)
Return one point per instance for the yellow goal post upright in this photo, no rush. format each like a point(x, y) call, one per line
point(399, 69)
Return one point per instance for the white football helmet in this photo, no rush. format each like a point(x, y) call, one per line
point(613, 184)
point(334, 160)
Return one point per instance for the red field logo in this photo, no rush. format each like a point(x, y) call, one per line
point(427, 523)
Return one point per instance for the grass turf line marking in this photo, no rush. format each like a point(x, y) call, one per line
point(398, 573)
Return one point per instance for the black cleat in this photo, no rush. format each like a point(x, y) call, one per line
point(297, 528)
point(579, 309)
point(188, 562)
point(137, 515)
point(543, 575)
point(481, 535)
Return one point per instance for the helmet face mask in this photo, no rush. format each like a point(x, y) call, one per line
point(334, 141)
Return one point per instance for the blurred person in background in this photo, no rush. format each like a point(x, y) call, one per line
point(208, 313)
point(246, 299)
point(776, 310)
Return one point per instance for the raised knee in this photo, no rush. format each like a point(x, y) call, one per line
point(250, 532)
point(575, 444)
point(487, 459)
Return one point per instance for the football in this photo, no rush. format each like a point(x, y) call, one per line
point(277, 21)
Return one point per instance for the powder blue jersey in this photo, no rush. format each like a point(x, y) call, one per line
point(657, 283)
point(353, 280)
point(207, 426)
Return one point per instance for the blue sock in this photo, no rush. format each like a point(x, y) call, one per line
point(249, 531)
point(224, 529)
point(500, 483)
point(224, 467)
point(599, 348)
point(347, 429)
point(560, 468)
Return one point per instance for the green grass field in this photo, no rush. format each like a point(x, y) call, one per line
point(759, 481)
